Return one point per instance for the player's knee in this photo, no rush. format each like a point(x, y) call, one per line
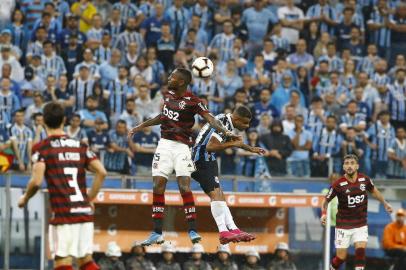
point(216, 195)
point(159, 187)
point(184, 188)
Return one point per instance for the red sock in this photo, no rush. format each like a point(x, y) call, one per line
point(359, 258)
point(90, 266)
point(336, 263)
point(190, 209)
point(158, 208)
point(64, 267)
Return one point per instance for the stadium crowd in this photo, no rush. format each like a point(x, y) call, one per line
point(323, 78)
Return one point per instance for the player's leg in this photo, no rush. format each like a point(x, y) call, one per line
point(360, 243)
point(188, 206)
point(63, 263)
point(342, 242)
point(85, 232)
point(87, 263)
point(59, 243)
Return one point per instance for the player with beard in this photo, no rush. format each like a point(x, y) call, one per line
point(351, 225)
point(173, 152)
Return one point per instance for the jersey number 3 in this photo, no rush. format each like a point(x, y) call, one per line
point(171, 114)
point(73, 183)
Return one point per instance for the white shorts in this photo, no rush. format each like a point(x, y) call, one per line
point(74, 240)
point(345, 237)
point(172, 156)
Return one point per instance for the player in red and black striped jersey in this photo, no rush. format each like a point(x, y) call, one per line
point(63, 162)
point(351, 225)
point(173, 152)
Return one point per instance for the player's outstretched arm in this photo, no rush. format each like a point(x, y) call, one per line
point(253, 149)
point(150, 122)
point(378, 195)
point(100, 173)
point(214, 145)
point(38, 171)
point(216, 124)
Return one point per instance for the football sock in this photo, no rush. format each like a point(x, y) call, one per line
point(229, 218)
point(336, 263)
point(359, 258)
point(190, 209)
point(90, 266)
point(217, 211)
point(158, 208)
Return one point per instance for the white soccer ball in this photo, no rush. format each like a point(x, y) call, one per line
point(202, 67)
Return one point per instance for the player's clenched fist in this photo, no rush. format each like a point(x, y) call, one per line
point(22, 201)
point(323, 220)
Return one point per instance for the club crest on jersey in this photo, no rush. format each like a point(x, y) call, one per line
point(182, 105)
point(362, 187)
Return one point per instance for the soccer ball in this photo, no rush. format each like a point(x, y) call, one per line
point(202, 67)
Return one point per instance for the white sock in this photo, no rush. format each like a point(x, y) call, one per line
point(229, 218)
point(217, 211)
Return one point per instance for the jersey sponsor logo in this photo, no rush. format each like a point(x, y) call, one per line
point(352, 201)
point(188, 98)
point(65, 143)
point(182, 105)
point(170, 114)
point(362, 179)
point(343, 183)
point(362, 187)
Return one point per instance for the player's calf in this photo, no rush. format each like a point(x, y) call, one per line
point(91, 265)
point(336, 263)
point(64, 267)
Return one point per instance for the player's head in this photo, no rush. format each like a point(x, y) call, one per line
point(180, 78)
point(350, 164)
point(241, 117)
point(54, 115)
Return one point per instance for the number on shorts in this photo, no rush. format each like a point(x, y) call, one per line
point(73, 182)
point(157, 156)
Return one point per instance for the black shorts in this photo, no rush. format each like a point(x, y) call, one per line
point(206, 174)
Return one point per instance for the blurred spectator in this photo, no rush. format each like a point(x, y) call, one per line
point(19, 36)
point(264, 126)
point(9, 102)
point(288, 121)
point(75, 131)
point(264, 106)
point(326, 147)
point(398, 36)
point(223, 260)
point(221, 14)
point(166, 47)
point(21, 139)
point(343, 28)
point(6, 70)
point(168, 261)
point(130, 114)
point(118, 157)
point(35, 107)
point(95, 33)
point(99, 139)
point(144, 145)
point(114, 25)
point(399, 64)
point(261, 76)
point(397, 155)
point(316, 116)
point(109, 71)
point(283, 260)
point(196, 262)
point(321, 46)
point(71, 30)
point(81, 87)
point(300, 58)
point(130, 35)
point(201, 36)
point(137, 261)
point(151, 27)
point(143, 103)
point(38, 128)
point(129, 10)
point(298, 162)
point(252, 259)
point(353, 119)
point(71, 55)
point(294, 102)
point(248, 159)
point(178, 17)
point(397, 91)
point(394, 240)
point(368, 62)
point(7, 58)
point(223, 43)
point(278, 148)
point(229, 80)
point(292, 20)
point(104, 8)
point(282, 94)
point(281, 42)
point(90, 114)
point(103, 52)
point(351, 144)
point(378, 138)
point(6, 41)
point(6, 10)
point(335, 62)
point(111, 260)
point(88, 61)
point(324, 14)
point(311, 34)
point(85, 10)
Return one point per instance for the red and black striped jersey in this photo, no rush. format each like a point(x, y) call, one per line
point(352, 201)
point(178, 117)
point(66, 161)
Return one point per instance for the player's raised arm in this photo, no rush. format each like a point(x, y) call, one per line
point(38, 171)
point(214, 145)
point(216, 124)
point(100, 173)
point(378, 195)
point(150, 122)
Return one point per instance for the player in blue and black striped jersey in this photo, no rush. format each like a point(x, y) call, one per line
point(208, 142)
